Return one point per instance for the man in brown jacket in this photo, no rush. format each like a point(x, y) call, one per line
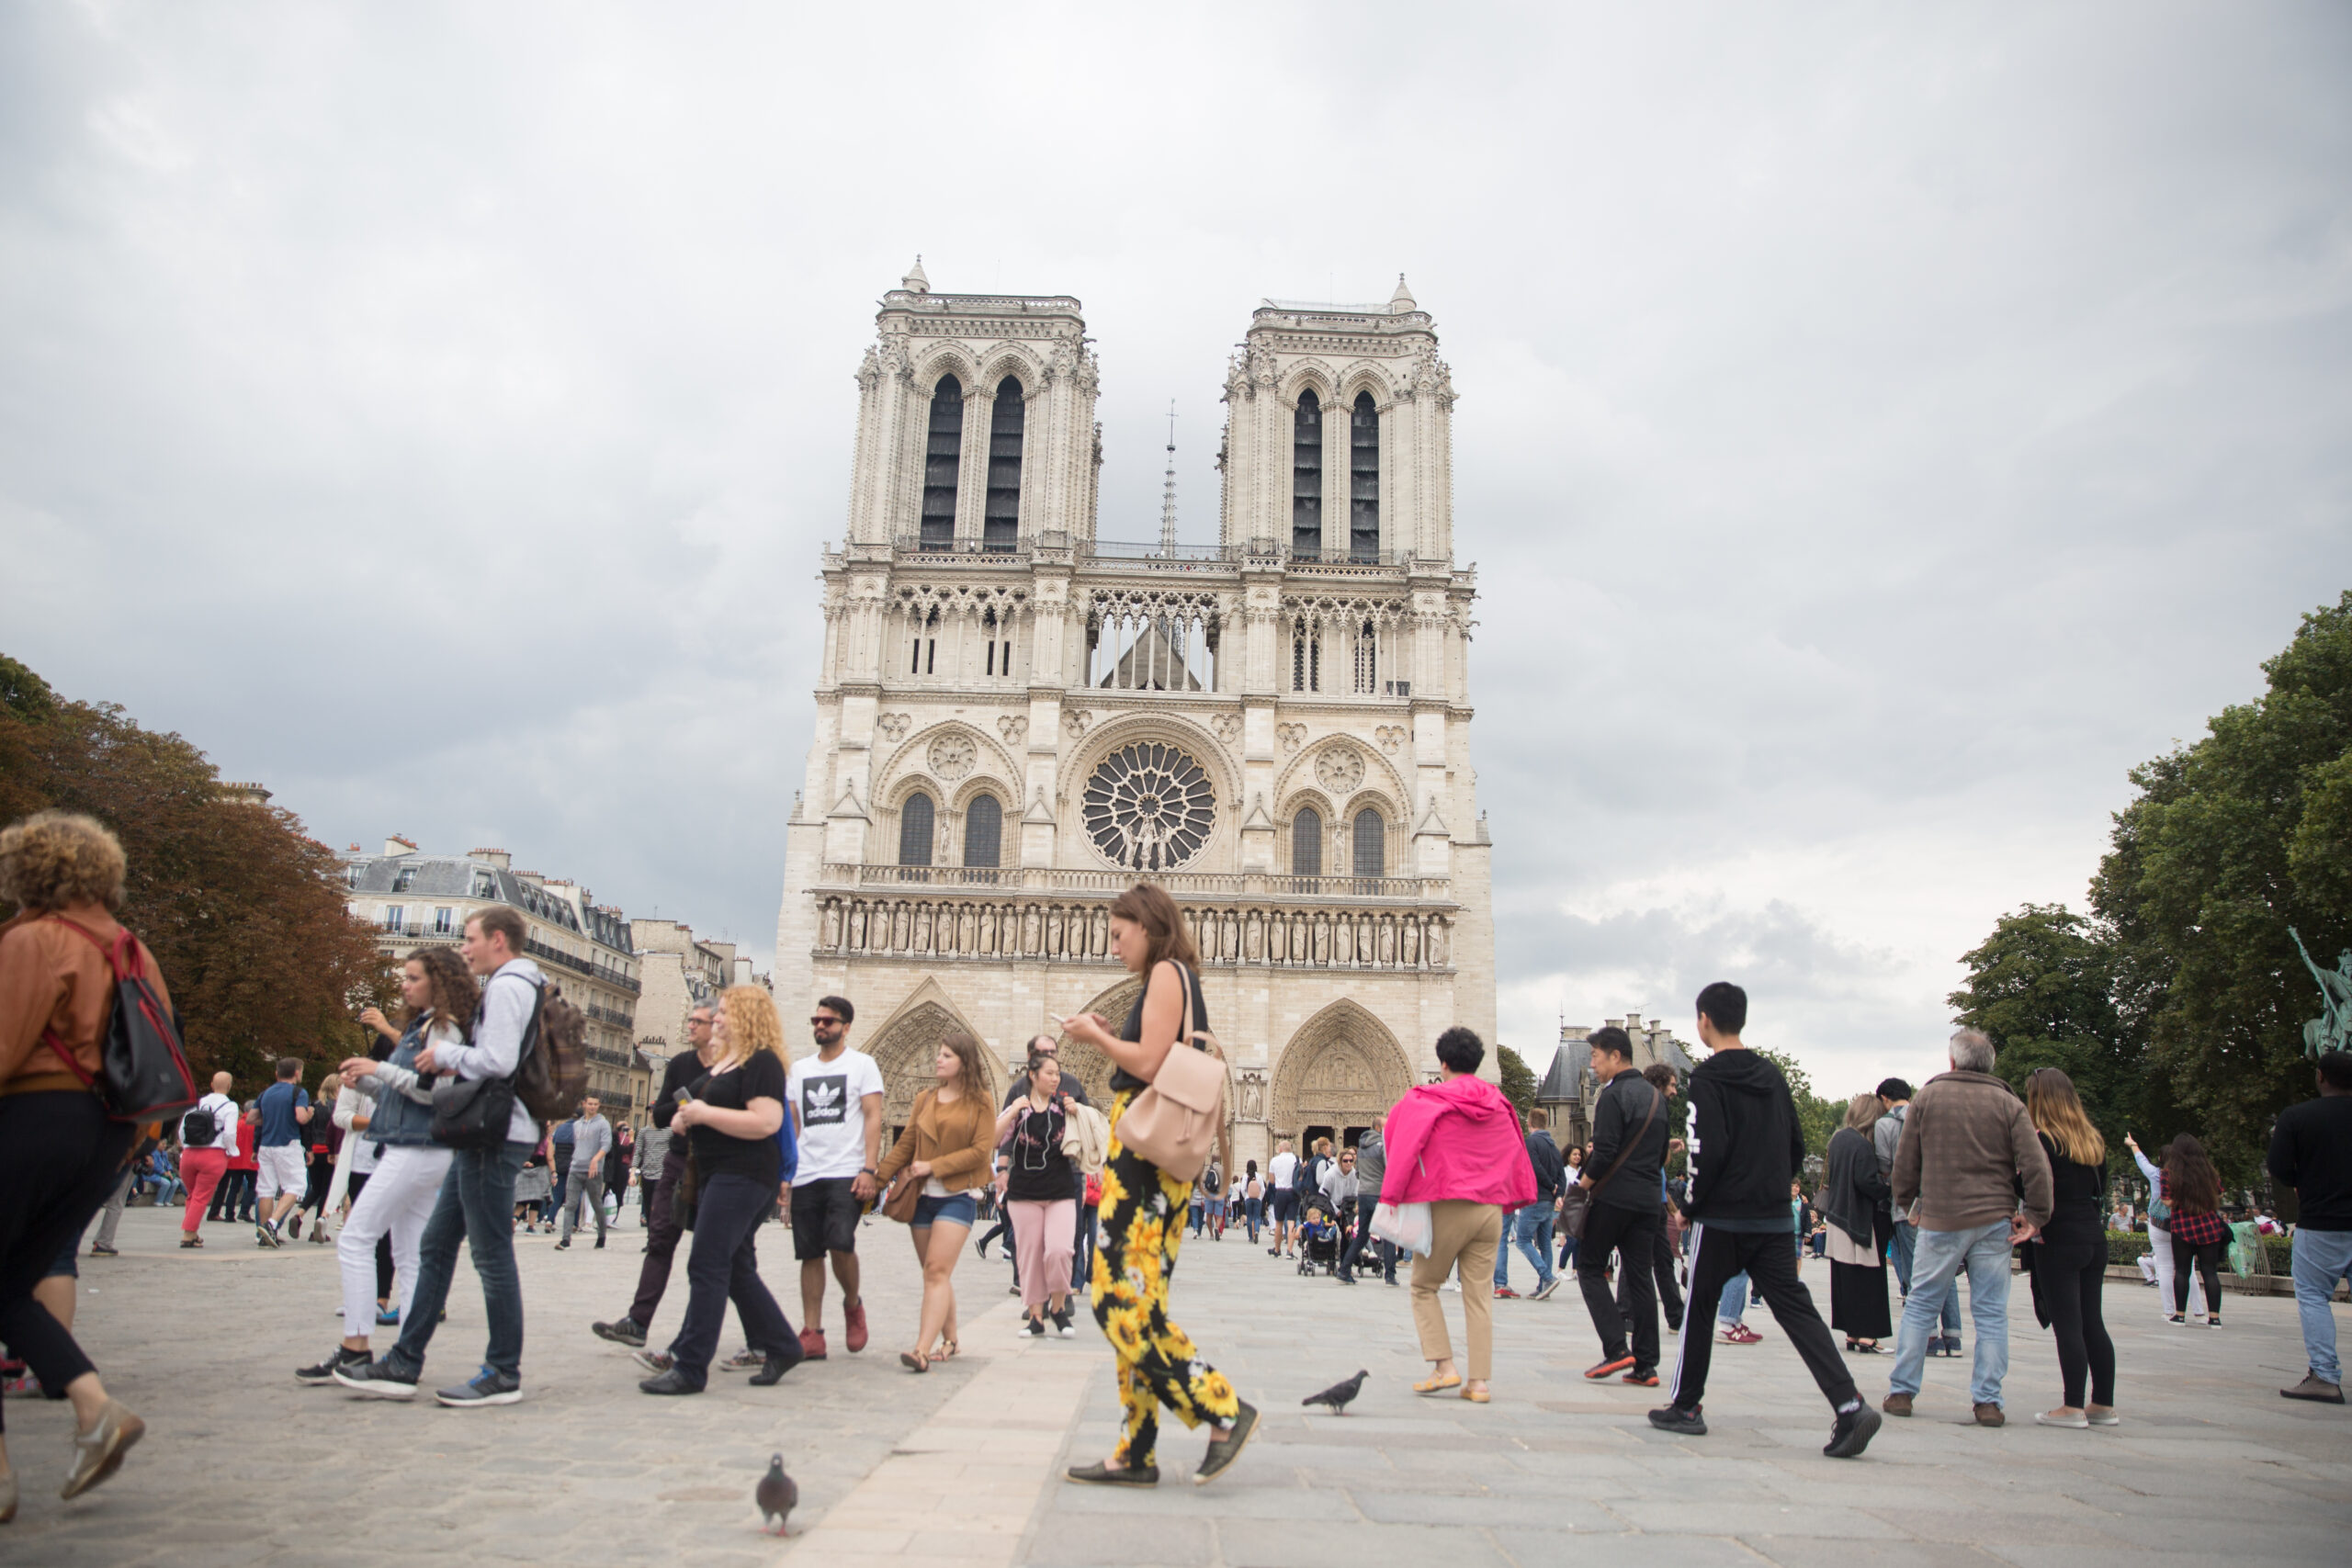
point(1966, 1154)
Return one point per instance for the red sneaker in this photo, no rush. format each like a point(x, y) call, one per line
point(1740, 1334)
point(853, 1324)
point(812, 1344)
point(1609, 1368)
point(1505, 1293)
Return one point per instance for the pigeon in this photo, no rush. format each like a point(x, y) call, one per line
point(777, 1495)
point(1337, 1395)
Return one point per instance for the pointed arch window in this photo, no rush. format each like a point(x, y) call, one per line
point(984, 833)
point(1306, 656)
point(1372, 844)
point(1000, 523)
point(1363, 480)
point(1367, 661)
point(943, 461)
point(1306, 476)
point(1307, 843)
point(916, 818)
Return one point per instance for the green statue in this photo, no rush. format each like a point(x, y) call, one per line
point(2332, 1030)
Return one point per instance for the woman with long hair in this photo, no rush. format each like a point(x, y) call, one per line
point(398, 1195)
point(1135, 1257)
point(1041, 1196)
point(61, 1155)
point(944, 1156)
point(2200, 1235)
point(1851, 1191)
point(2068, 1260)
point(1253, 1199)
point(731, 1122)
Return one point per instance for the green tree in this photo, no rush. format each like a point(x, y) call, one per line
point(2230, 843)
point(1518, 1079)
point(1818, 1117)
point(244, 912)
point(2042, 987)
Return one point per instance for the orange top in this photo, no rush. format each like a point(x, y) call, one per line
point(52, 977)
point(957, 1139)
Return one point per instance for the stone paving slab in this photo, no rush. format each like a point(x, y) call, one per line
point(962, 1465)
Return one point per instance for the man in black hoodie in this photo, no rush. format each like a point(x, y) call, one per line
point(1621, 1177)
point(1745, 1147)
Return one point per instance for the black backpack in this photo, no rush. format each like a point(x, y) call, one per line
point(198, 1129)
point(142, 1067)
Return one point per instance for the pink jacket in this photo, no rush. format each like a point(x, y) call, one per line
point(1456, 1139)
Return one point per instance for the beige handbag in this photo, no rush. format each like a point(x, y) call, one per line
point(1177, 1121)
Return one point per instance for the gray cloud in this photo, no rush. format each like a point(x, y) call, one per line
point(1878, 430)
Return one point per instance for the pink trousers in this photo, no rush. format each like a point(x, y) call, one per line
point(1042, 1236)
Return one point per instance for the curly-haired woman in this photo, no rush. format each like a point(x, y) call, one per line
point(732, 1124)
point(1136, 1256)
point(400, 1192)
point(2200, 1235)
point(60, 1155)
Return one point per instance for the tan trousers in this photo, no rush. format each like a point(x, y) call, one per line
point(1469, 1233)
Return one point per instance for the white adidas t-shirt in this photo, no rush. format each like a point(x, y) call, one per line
point(829, 1097)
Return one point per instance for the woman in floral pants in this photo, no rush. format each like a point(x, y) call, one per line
point(1143, 1217)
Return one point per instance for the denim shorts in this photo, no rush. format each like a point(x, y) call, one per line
point(956, 1208)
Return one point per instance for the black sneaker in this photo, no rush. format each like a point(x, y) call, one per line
point(1853, 1432)
point(671, 1381)
point(487, 1387)
point(100, 1249)
point(1032, 1329)
point(562, 1245)
point(381, 1379)
point(1062, 1324)
point(324, 1372)
point(1681, 1422)
point(778, 1363)
point(625, 1332)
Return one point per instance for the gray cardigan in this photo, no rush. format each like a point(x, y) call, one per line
point(1852, 1189)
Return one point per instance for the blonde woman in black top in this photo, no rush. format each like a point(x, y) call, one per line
point(2068, 1260)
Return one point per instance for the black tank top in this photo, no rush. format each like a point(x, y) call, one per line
point(1132, 1030)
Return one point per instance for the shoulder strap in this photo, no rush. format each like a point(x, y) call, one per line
point(1627, 1152)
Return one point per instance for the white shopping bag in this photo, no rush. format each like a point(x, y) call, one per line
point(1403, 1226)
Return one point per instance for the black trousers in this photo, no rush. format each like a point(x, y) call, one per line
point(724, 1266)
point(1361, 1241)
point(233, 1199)
point(1635, 1233)
point(1669, 1293)
point(660, 1237)
point(60, 1160)
point(2070, 1294)
point(2208, 1260)
point(1772, 1267)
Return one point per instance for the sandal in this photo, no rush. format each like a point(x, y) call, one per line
point(946, 1351)
point(1437, 1384)
point(914, 1360)
point(1475, 1395)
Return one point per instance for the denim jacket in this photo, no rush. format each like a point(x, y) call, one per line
point(404, 1114)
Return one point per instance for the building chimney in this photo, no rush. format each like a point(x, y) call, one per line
point(498, 858)
point(396, 845)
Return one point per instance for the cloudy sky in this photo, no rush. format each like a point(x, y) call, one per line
point(1878, 429)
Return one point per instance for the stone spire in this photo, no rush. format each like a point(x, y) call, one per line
point(916, 283)
point(1398, 302)
point(1168, 493)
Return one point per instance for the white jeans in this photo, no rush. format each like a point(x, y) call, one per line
point(398, 1201)
point(2160, 1249)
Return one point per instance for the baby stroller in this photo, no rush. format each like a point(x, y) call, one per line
point(1319, 1237)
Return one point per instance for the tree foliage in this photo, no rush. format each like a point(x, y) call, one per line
point(1818, 1117)
point(1518, 1079)
point(244, 912)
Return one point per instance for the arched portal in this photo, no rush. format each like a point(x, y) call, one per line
point(1092, 1068)
point(1338, 1074)
point(907, 1048)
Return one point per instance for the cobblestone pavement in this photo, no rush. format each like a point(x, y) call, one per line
point(242, 1466)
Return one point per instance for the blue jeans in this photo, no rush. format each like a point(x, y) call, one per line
point(1935, 1280)
point(1899, 1252)
point(477, 1207)
point(1530, 1232)
point(2322, 1258)
point(1732, 1306)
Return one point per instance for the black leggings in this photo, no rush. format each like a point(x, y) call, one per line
point(60, 1158)
point(2209, 1263)
point(2071, 1296)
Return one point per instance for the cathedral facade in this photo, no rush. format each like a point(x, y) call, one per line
point(1018, 716)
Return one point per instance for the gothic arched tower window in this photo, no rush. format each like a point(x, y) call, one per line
point(1307, 843)
point(915, 819)
point(1363, 480)
point(984, 833)
point(1367, 661)
point(1000, 525)
point(1305, 656)
point(941, 462)
point(1306, 475)
point(1372, 841)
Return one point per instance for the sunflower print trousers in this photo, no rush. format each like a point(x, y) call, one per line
point(1142, 1216)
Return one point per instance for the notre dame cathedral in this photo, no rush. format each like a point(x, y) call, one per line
point(1020, 712)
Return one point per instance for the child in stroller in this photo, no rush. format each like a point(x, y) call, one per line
point(1318, 1236)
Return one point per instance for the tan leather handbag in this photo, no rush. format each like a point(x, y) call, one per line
point(1177, 1121)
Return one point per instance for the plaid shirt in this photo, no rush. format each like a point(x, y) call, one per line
point(2200, 1230)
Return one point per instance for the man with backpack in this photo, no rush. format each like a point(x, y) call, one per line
point(208, 1139)
point(477, 1201)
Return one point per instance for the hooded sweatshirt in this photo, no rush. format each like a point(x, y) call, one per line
point(1745, 1146)
point(1455, 1139)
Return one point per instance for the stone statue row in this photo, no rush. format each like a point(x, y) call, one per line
point(1319, 939)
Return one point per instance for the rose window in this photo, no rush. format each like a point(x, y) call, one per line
point(1149, 806)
